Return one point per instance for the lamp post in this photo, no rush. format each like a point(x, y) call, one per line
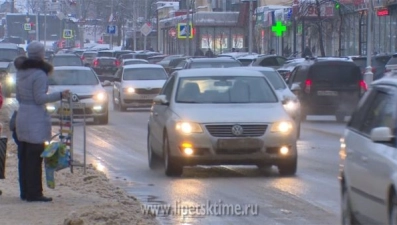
point(368, 75)
point(250, 28)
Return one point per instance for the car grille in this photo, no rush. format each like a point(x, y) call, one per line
point(146, 91)
point(140, 101)
point(226, 130)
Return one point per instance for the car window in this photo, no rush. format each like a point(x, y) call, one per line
point(66, 61)
point(271, 61)
point(362, 107)
point(300, 75)
point(105, 54)
point(380, 114)
point(107, 61)
point(214, 64)
point(73, 77)
point(382, 60)
point(392, 60)
point(90, 55)
point(181, 64)
point(168, 87)
point(8, 55)
point(335, 74)
point(145, 74)
point(360, 62)
point(134, 62)
point(281, 61)
point(275, 79)
point(231, 89)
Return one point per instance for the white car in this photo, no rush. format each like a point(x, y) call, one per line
point(220, 116)
point(135, 86)
point(291, 102)
point(83, 82)
point(368, 168)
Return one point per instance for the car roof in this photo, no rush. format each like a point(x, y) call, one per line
point(134, 66)
point(207, 72)
point(72, 68)
point(67, 55)
point(257, 68)
point(212, 59)
point(136, 60)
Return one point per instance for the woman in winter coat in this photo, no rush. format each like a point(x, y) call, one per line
point(33, 123)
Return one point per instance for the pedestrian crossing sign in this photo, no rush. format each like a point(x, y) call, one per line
point(67, 34)
point(183, 29)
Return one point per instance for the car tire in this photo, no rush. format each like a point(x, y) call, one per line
point(340, 117)
point(102, 120)
point(171, 167)
point(347, 215)
point(153, 159)
point(288, 167)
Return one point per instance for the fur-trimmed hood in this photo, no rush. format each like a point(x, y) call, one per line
point(25, 63)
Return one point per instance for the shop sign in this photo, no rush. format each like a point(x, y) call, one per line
point(382, 12)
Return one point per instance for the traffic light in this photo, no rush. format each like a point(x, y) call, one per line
point(337, 5)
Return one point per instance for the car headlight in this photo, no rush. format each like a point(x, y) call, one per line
point(284, 127)
point(291, 105)
point(10, 79)
point(188, 127)
point(129, 90)
point(50, 108)
point(100, 96)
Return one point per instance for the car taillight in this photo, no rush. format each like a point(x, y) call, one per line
point(96, 62)
point(363, 87)
point(308, 86)
point(117, 63)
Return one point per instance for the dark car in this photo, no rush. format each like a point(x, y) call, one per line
point(146, 55)
point(118, 53)
point(327, 87)
point(126, 56)
point(273, 61)
point(105, 66)
point(378, 64)
point(174, 63)
point(195, 63)
point(66, 60)
point(106, 53)
point(155, 59)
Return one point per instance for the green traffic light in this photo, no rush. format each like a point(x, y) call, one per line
point(337, 5)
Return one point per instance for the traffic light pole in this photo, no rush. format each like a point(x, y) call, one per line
point(111, 23)
point(187, 29)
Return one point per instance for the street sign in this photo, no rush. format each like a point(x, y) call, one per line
point(183, 30)
point(146, 29)
point(27, 26)
point(111, 29)
point(67, 34)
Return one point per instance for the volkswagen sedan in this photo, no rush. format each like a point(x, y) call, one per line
point(220, 116)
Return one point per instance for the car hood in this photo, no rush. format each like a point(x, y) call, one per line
point(232, 113)
point(77, 89)
point(144, 83)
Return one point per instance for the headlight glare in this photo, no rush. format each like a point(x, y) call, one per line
point(129, 90)
point(282, 127)
point(291, 105)
point(50, 108)
point(188, 127)
point(100, 96)
point(10, 79)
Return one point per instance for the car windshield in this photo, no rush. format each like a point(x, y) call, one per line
point(275, 79)
point(214, 64)
point(73, 77)
point(335, 74)
point(8, 55)
point(144, 74)
point(90, 55)
point(221, 89)
point(246, 62)
point(66, 61)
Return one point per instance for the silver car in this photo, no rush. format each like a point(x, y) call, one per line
point(83, 82)
point(220, 116)
point(135, 86)
point(291, 102)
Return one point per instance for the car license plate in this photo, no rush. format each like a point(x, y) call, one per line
point(147, 96)
point(75, 105)
point(327, 93)
point(240, 143)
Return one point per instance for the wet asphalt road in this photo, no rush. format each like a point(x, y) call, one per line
point(310, 197)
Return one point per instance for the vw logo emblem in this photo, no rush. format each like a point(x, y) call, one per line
point(75, 98)
point(237, 130)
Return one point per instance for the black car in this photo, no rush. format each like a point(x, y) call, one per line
point(106, 53)
point(327, 87)
point(273, 61)
point(378, 64)
point(105, 66)
point(66, 60)
point(195, 63)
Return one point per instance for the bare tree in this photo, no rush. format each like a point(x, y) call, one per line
point(33, 6)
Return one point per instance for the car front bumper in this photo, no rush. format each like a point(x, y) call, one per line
point(207, 151)
point(134, 100)
point(86, 108)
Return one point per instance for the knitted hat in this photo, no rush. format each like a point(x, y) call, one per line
point(36, 50)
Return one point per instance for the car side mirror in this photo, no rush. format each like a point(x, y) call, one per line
point(382, 135)
point(161, 99)
point(106, 83)
point(295, 87)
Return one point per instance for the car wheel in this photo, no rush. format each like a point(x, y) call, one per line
point(172, 168)
point(120, 105)
point(153, 159)
point(340, 117)
point(288, 167)
point(102, 120)
point(347, 212)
